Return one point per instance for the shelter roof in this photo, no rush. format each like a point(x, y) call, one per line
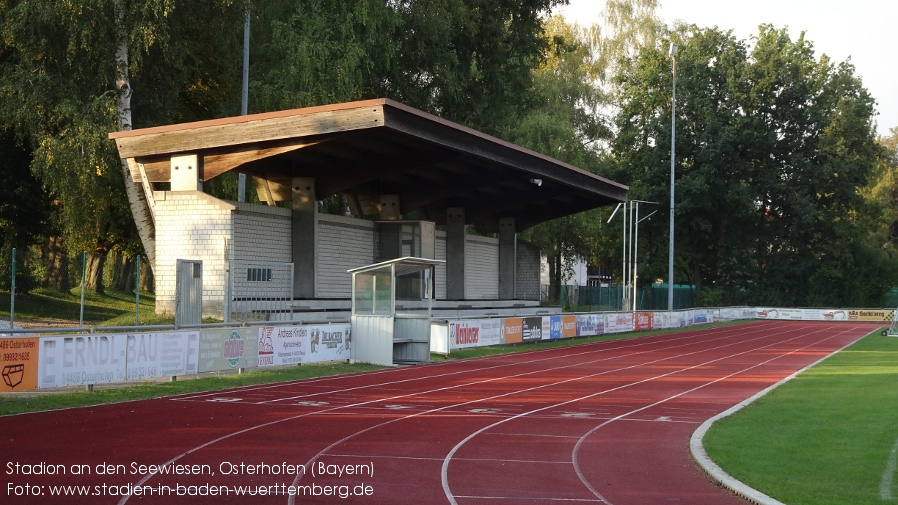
point(376, 147)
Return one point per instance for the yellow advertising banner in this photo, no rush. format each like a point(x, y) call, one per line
point(18, 364)
point(878, 316)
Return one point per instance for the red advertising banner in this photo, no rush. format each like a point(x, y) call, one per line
point(642, 321)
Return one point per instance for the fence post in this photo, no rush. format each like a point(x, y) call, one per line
point(12, 292)
point(137, 291)
point(83, 281)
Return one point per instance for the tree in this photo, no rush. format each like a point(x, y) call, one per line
point(772, 148)
point(59, 63)
point(24, 212)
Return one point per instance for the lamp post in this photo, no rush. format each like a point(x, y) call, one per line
point(673, 151)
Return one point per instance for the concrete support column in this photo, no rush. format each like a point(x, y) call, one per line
point(389, 208)
point(186, 173)
point(455, 253)
point(508, 255)
point(304, 236)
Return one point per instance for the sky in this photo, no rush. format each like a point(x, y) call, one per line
point(860, 29)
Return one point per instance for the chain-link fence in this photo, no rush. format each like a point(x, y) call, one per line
point(610, 298)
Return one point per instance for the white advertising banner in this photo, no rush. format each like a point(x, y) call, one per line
point(662, 320)
point(475, 333)
point(618, 322)
point(293, 345)
point(167, 354)
point(824, 315)
point(590, 324)
point(734, 313)
point(81, 359)
point(700, 316)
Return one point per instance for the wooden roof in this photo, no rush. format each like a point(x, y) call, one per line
point(377, 147)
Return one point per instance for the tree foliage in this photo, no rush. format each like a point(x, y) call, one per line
point(773, 147)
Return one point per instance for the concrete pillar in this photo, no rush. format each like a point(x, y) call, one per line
point(304, 236)
point(508, 255)
point(389, 208)
point(186, 173)
point(455, 253)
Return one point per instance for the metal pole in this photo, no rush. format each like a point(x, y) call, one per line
point(632, 268)
point(623, 253)
point(83, 281)
point(244, 102)
point(673, 151)
point(137, 290)
point(12, 292)
point(626, 281)
point(635, 256)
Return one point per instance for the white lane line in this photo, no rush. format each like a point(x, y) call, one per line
point(888, 475)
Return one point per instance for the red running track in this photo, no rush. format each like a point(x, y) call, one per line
point(594, 423)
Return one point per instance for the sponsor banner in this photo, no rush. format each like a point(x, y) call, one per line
point(228, 348)
point(791, 314)
point(618, 322)
point(662, 320)
point(532, 329)
point(765, 313)
point(568, 326)
point(877, 315)
point(700, 316)
point(554, 326)
point(642, 321)
point(166, 354)
point(824, 315)
point(835, 315)
point(512, 330)
point(329, 342)
point(81, 359)
point(590, 324)
point(475, 333)
point(282, 346)
point(733, 313)
point(18, 363)
point(294, 345)
point(688, 318)
point(714, 315)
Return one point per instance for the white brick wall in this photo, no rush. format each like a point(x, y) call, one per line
point(343, 243)
point(481, 268)
point(195, 226)
point(262, 233)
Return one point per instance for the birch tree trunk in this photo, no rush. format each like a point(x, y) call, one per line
point(136, 198)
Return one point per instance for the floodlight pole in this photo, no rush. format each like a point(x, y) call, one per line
point(244, 102)
point(673, 151)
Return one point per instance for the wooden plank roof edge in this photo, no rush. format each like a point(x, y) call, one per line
point(248, 118)
point(385, 102)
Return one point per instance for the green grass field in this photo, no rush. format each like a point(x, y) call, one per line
point(823, 438)
point(113, 308)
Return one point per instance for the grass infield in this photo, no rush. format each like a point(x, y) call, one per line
point(823, 438)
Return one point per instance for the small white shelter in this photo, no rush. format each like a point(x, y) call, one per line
point(392, 303)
